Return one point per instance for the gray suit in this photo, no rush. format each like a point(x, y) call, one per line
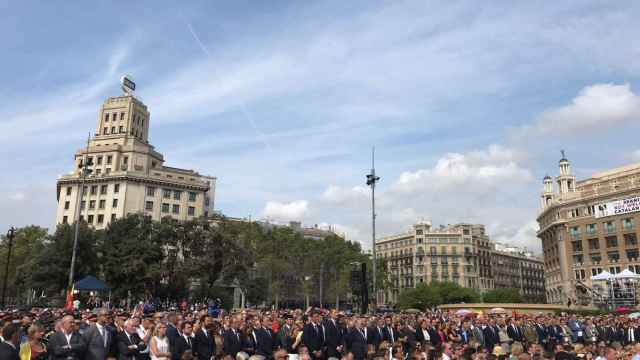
point(96, 346)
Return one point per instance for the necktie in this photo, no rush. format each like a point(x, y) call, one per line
point(391, 334)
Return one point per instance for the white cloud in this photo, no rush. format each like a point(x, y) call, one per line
point(523, 236)
point(635, 155)
point(597, 107)
point(295, 210)
point(476, 168)
point(354, 196)
point(17, 196)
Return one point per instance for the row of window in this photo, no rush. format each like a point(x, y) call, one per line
point(611, 256)
point(173, 208)
point(114, 116)
point(166, 193)
point(90, 218)
point(630, 239)
point(608, 227)
point(93, 190)
point(92, 204)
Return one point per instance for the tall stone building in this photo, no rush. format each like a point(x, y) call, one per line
point(127, 175)
point(588, 226)
point(461, 253)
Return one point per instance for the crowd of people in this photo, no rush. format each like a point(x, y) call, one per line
point(42, 334)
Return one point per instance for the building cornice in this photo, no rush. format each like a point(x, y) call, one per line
point(133, 178)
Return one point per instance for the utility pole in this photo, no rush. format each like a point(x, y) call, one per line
point(10, 234)
point(85, 171)
point(371, 181)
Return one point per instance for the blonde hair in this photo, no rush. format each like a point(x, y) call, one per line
point(33, 329)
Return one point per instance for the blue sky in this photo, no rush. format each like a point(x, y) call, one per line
point(468, 104)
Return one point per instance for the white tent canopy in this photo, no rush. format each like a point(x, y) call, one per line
point(626, 274)
point(604, 275)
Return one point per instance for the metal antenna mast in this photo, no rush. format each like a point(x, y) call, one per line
point(372, 179)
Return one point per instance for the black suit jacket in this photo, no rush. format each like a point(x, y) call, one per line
point(231, 343)
point(375, 336)
point(123, 342)
point(332, 338)
point(356, 343)
point(58, 346)
point(205, 345)
point(387, 331)
point(265, 342)
point(515, 333)
point(180, 345)
point(491, 337)
point(8, 352)
point(436, 341)
point(312, 337)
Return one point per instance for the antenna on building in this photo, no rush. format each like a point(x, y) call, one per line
point(562, 152)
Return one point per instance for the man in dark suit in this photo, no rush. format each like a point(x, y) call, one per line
point(66, 344)
point(285, 335)
point(205, 343)
point(313, 336)
point(514, 331)
point(184, 342)
point(97, 338)
point(333, 335)
point(232, 339)
point(263, 339)
point(490, 334)
point(389, 333)
point(631, 334)
point(172, 327)
point(129, 343)
point(436, 341)
point(356, 340)
point(9, 347)
point(376, 333)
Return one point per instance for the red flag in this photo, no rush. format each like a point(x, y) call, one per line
point(69, 304)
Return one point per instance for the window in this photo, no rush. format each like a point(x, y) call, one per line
point(92, 204)
point(66, 205)
point(149, 205)
point(591, 229)
point(165, 207)
point(69, 191)
point(613, 255)
point(125, 160)
point(116, 188)
point(114, 203)
point(98, 171)
point(191, 211)
point(418, 231)
point(113, 217)
point(594, 244)
point(166, 193)
point(627, 224)
point(83, 204)
point(121, 129)
point(90, 219)
point(632, 253)
point(596, 258)
point(192, 196)
point(65, 219)
point(99, 160)
point(630, 239)
point(577, 245)
point(94, 189)
point(103, 189)
point(609, 227)
point(101, 204)
point(575, 232)
point(176, 194)
point(612, 241)
point(100, 218)
point(113, 129)
point(151, 191)
point(81, 218)
point(590, 210)
point(107, 170)
point(105, 131)
point(121, 116)
point(106, 117)
point(109, 159)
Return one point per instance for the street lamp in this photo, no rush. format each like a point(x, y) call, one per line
point(372, 179)
point(10, 235)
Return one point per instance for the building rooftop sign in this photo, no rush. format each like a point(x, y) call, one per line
point(128, 86)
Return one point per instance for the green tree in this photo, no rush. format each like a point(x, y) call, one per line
point(133, 250)
point(502, 295)
point(28, 243)
point(50, 269)
point(421, 297)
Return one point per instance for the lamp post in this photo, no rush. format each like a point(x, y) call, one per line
point(85, 171)
point(10, 235)
point(372, 179)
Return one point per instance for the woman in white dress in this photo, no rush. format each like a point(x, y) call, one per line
point(160, 343)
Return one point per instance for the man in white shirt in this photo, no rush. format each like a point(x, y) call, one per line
point(98, 338)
